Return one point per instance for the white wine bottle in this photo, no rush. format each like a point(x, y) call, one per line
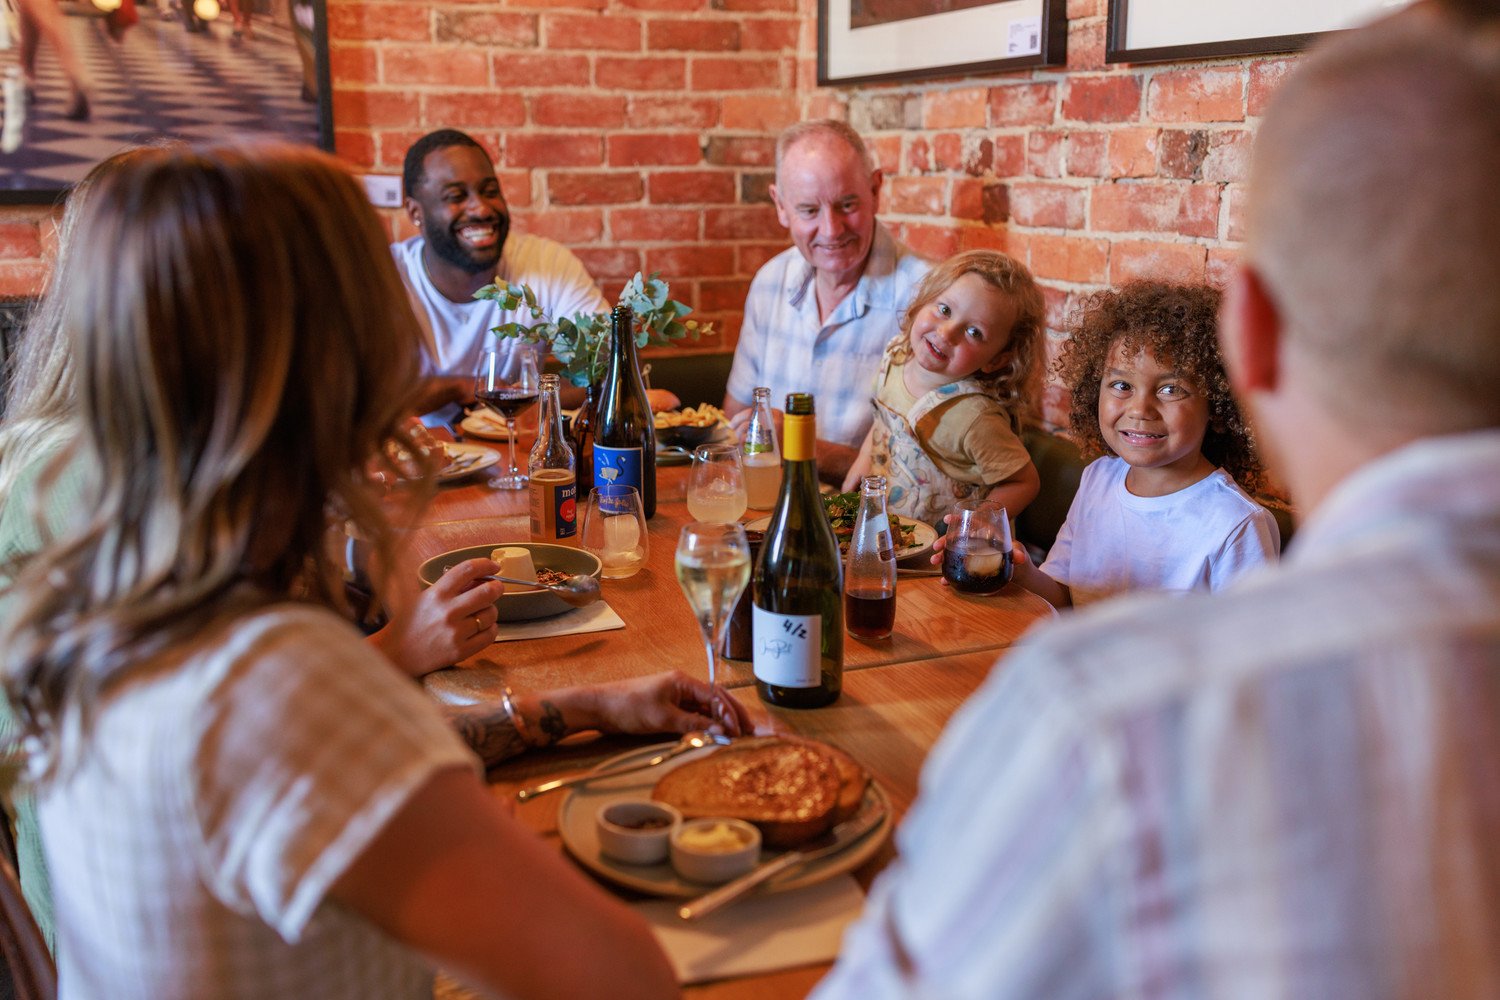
point(798, 613)
point(625, 435)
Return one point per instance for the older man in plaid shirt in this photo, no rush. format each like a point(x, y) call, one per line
point(819, 314)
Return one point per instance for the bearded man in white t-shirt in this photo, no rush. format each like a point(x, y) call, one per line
point(454, 199)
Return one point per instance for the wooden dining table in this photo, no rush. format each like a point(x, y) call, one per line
point(898, 692)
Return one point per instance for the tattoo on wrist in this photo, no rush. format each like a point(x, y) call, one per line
point(551, 723)
point(488, 730)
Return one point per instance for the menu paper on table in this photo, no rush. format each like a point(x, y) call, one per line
point(764, 933)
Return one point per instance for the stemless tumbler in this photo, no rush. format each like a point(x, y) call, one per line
point(976, 556)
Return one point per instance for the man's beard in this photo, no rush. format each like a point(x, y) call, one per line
point(448, 248)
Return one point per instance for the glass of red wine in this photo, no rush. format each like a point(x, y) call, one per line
point(977, 553)
point(507, 382)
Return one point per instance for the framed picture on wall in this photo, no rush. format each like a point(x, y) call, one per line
point(860, 41)
point(1162, 30)
point(108, 74)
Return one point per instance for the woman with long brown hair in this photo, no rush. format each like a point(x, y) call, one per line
point(237, 799)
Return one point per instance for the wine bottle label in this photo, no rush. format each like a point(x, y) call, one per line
point(787, 649)
point(617, 466)
point(554, 505)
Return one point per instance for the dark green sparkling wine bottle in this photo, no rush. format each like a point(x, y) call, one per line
point(798, 611)
point(625, 432)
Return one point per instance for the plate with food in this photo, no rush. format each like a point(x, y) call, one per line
point(792, 790)
point(691, 426)
point(484, 424)
point(465, 460)
point(539, 561)
point(913, 538)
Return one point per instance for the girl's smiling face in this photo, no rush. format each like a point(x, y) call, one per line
point(964, 329)
point(1155, 420)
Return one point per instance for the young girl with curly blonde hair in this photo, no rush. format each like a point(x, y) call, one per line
point(952, 388)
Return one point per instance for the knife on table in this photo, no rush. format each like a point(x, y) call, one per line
point(835, 840)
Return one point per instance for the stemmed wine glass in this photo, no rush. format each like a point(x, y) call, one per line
point(507, 382)
point(713, 566)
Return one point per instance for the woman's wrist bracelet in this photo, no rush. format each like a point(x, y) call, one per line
point(517, 720)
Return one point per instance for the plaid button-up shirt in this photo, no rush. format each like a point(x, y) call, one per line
point(784, 344)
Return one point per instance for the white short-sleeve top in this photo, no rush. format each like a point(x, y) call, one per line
point(224, 789)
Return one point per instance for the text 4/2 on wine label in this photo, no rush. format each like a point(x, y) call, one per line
point(787, 648)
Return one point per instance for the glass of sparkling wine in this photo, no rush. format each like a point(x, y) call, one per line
point(716, 484)
point(613, 527)
point(508, 384)
point(713, 566)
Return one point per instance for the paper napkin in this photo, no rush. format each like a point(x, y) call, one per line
point(759, 934)
point(596, 617)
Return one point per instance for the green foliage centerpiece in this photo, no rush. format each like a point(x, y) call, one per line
point(581, 344)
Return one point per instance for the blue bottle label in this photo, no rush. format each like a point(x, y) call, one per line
point(617, 466)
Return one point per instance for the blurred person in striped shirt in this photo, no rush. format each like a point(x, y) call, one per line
point(1290, 789)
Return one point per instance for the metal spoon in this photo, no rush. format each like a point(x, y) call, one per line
point(689, 741)
point(577, 590)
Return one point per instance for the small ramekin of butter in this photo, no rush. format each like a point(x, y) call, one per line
point(714, 850)
point(521, 561)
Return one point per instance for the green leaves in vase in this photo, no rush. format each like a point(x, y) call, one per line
point(581, 344)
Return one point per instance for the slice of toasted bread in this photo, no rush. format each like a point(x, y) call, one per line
point(852, 779)
point(790, 789)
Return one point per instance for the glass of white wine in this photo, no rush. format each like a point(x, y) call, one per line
point(716, 484)
point(713, 567)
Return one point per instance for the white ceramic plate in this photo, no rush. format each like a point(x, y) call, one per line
point(575, 823)
point(922, 537)
point(457, 452)
point(483, 424)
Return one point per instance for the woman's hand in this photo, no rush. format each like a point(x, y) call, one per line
point(669, 703)
point(449, 621)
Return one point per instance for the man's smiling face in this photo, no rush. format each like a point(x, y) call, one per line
point(827, 197)
point(460, 210)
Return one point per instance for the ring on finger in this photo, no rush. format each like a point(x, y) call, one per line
point(479, 625)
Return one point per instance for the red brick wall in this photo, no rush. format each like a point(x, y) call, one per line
point(640, 132)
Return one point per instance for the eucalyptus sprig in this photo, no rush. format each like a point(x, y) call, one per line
point(581, 344)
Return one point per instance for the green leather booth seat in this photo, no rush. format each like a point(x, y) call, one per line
point(695, 378)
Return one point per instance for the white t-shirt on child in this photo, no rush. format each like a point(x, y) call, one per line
point(1199, 538)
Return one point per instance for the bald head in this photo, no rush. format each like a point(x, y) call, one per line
point(822, 131)
point(1374, 222)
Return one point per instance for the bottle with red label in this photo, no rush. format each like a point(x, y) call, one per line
point(554, 483)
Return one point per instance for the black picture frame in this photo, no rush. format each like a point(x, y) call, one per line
point(1117, 47)
point(250, 78)
point(983, 25)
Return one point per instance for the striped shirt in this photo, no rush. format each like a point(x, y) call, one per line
point(1287, 791)
point(784, 343)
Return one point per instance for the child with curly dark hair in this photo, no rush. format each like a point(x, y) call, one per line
point(951, 390)
point(1164, 508)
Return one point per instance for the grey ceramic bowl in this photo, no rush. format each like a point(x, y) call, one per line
point(622, 837)
point(526, 605)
